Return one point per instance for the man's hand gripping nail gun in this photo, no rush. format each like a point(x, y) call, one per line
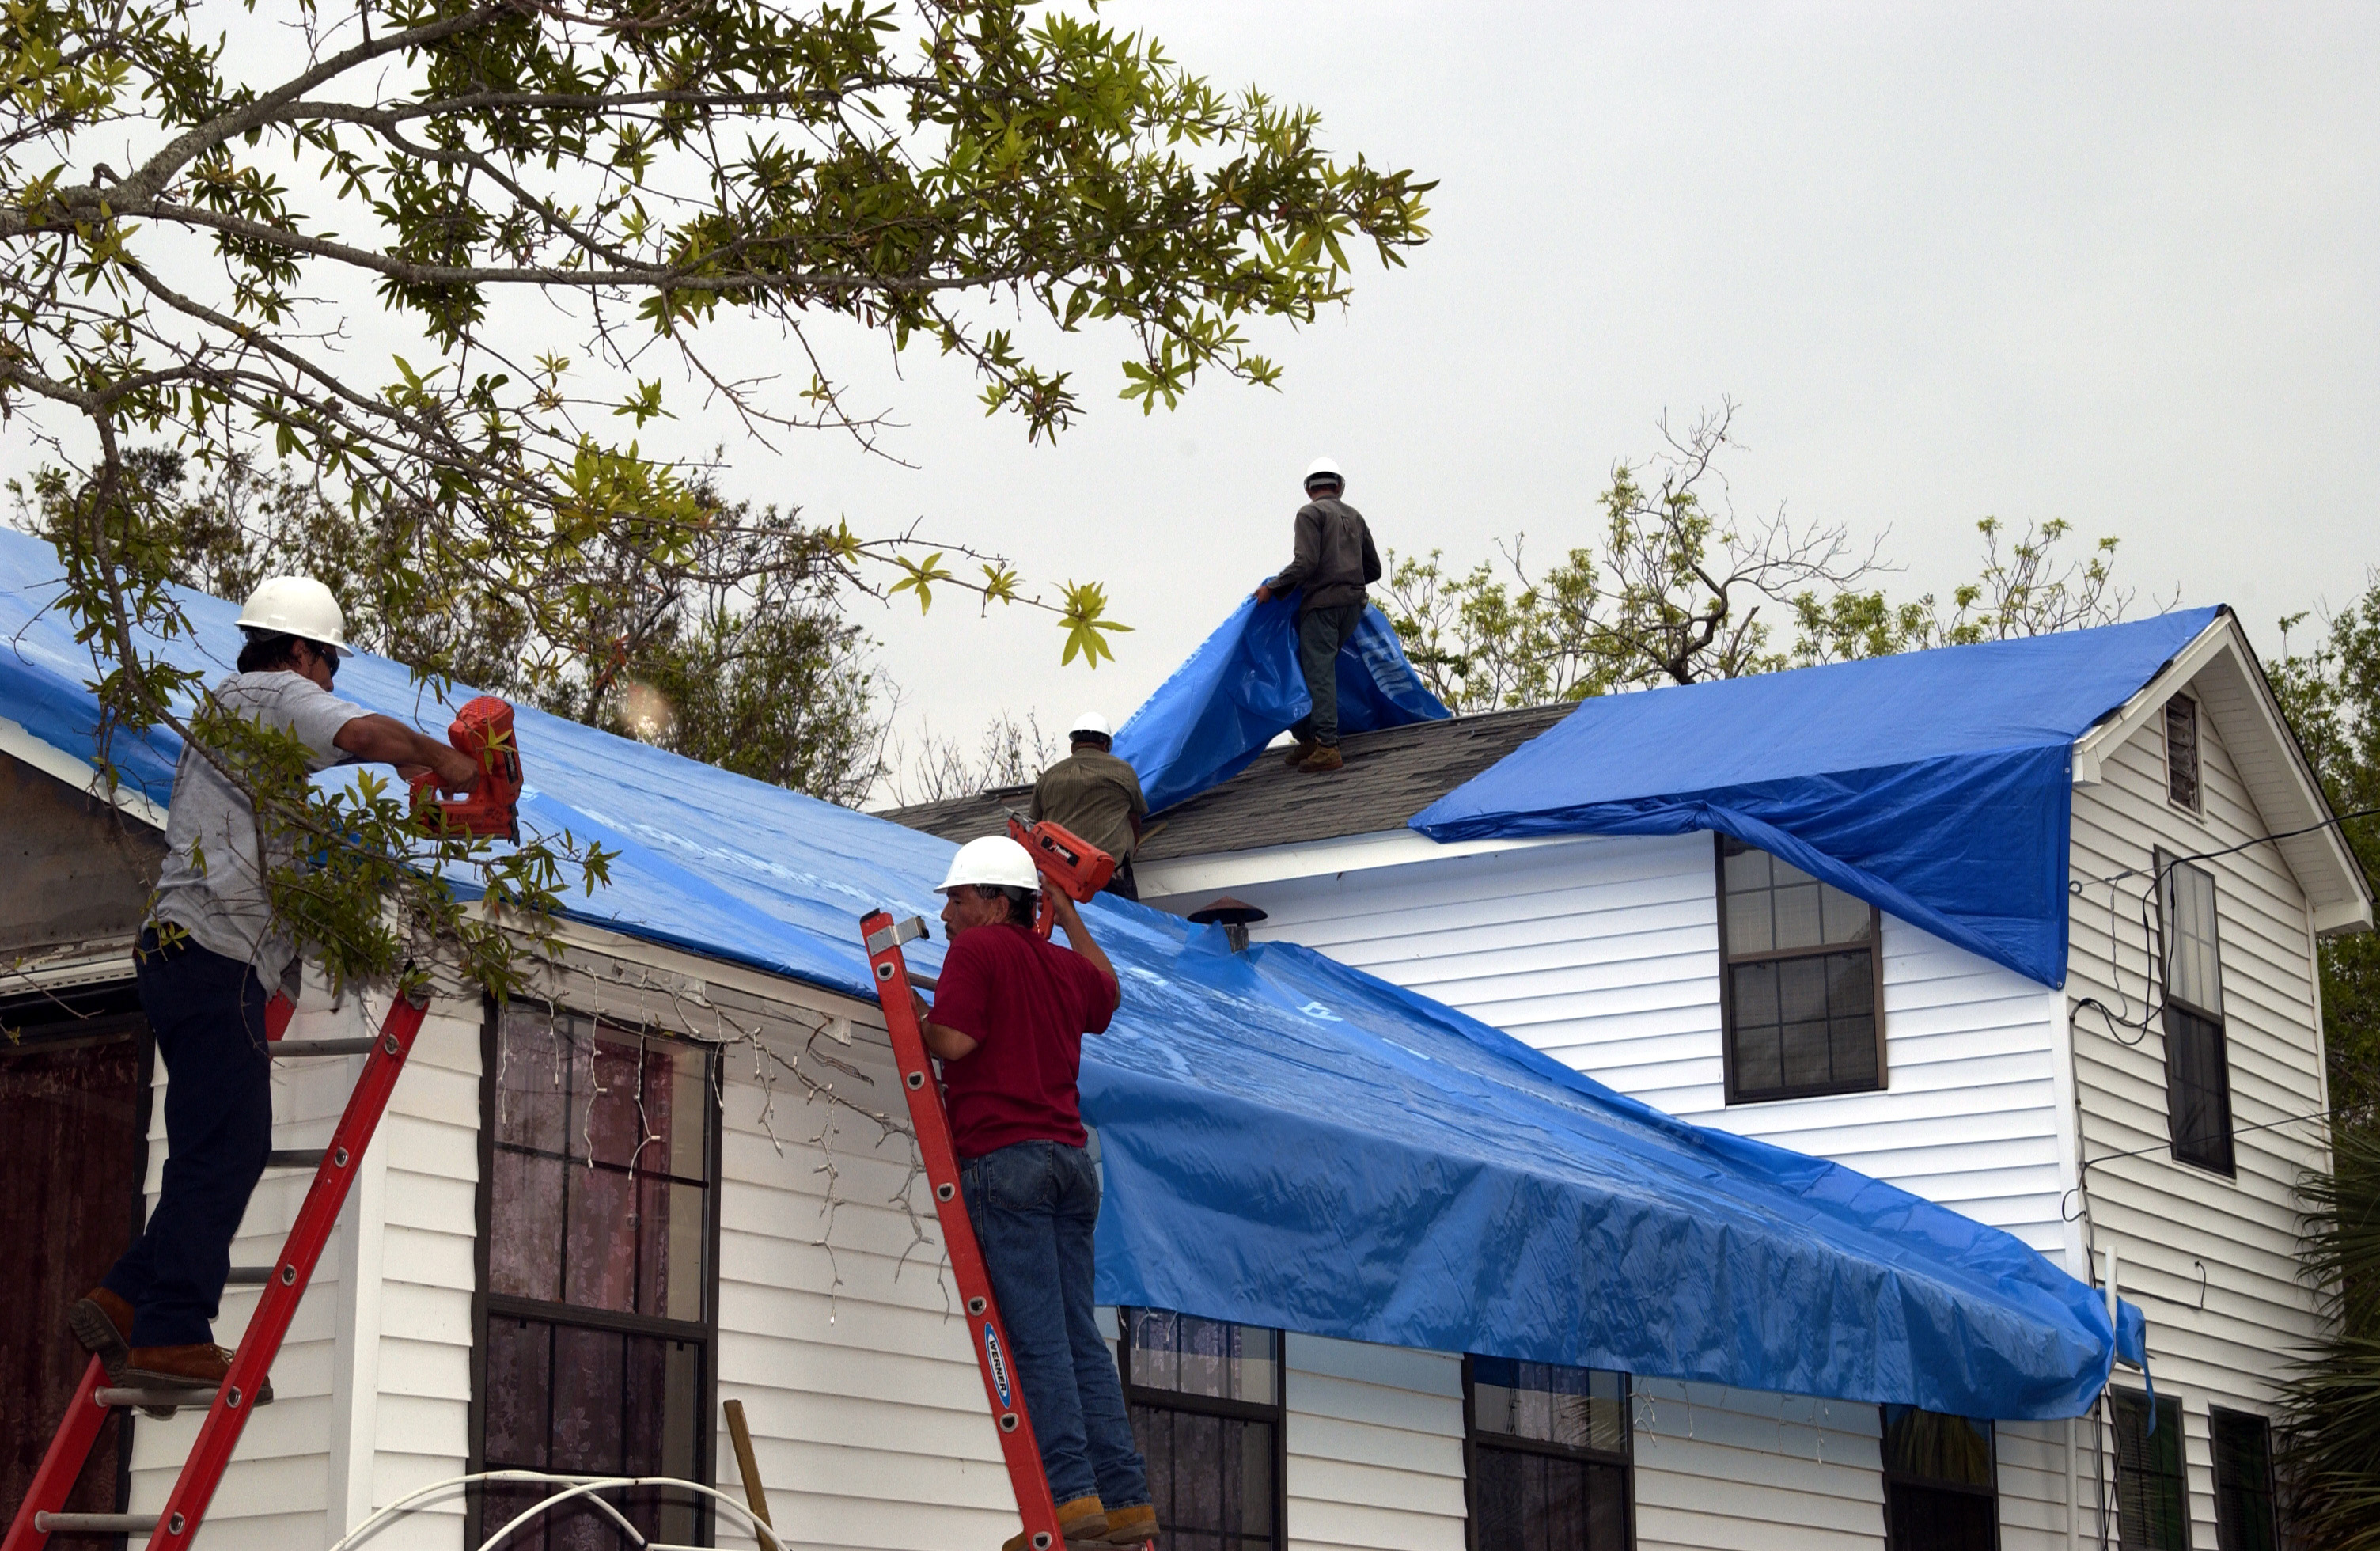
point(483, 729)
point(1068, 863)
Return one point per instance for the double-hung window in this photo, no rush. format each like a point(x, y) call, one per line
point(595, 1322)
point(1204, 1397)
point(2197, 1060)
point(1800, 990)
point(2152, 1498)
point(2244, 1520)
point(1940, 1490)
point(1548, 1457)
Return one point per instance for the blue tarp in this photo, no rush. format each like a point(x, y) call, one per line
point(1936, 786)
point(1241, 688)
point(1291, 1143)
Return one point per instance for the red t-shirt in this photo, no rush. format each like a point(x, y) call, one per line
point(1027, 1004)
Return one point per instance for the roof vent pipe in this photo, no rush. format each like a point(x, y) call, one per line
point(1235, 916)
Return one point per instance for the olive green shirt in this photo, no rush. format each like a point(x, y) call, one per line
point(1096, 795)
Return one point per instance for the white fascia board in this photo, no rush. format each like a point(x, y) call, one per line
point(1222, 871)
point(81, 774)
point(673, 989)
point(2093, 747)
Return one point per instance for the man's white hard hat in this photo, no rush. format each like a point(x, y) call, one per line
point(995, 861)
point(1325, 469)
point(1089, 722)
point(297, 606)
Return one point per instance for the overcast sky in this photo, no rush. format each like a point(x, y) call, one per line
point(2115, 263)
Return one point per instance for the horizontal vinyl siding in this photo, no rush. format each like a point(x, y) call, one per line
point(1375, 1447)
point(1729, 1470)
point(1603, 953)
point(2033, 1486)
point(2211, 1261)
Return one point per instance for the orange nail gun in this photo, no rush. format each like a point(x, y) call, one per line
point(1067, 861)
point(483, 729)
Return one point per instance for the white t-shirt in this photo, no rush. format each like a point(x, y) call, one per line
point(213, 881)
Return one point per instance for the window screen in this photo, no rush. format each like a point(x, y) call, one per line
point(1549, 1457)
point(1799, 992)
point(2244, 1520)
point(2197, 1054)
point(1940, 1492)
point(2151, 1506)
point(2181, 751)
point(595, 1339)
point(1206, 1404)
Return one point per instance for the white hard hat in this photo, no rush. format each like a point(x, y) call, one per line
point(1325, 469)
point(1089, 722)
point(297, 606)
point(994, 861)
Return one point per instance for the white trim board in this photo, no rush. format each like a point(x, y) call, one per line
point(79, 774)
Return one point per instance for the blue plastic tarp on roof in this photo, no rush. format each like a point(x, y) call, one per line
point(1936, 786)
point(1287, 1142)
point(1241, 688)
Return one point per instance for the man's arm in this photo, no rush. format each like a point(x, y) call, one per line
point(947, 1043)
point(1371, 557)
point(1306, 554)
point(384, 740)
point(1079, 937)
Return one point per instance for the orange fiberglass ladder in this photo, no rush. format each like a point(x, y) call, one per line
point(41, 1515)
point(985, 1330)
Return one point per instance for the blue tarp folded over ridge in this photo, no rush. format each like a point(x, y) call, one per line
point(1937, 785)
point(1241, 688)
point(1288, 1142)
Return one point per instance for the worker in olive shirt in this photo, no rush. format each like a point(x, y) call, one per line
point(209, 959)
point(1009, 1015)
point(1097, 797)
point(1332, 562)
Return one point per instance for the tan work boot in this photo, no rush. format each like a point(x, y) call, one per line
point(1131, 1526)
point(1083, 1518)
point(199, 1365)
point(1324, 758)
point(101, 1322)
point(1300, 751)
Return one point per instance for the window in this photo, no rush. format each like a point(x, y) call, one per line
point(2181, 752)
point(2197, 1061)
point(597, 1233)
point(2152, 1509)
point(1548, 1457)
point(1800, 988)
point(2244, 1520)
point(1939, 1489)
point(1206, 1404)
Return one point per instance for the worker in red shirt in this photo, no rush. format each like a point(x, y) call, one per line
point(1009, 1014)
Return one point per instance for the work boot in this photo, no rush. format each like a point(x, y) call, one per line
point(1324, 758)
point(199, 1365)
point(102, 1322)
point(1131, 1526)
point(1301, 751)
point(1083, 1518)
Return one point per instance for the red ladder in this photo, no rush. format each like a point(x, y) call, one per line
point(285, 1281)
point(985, 1329)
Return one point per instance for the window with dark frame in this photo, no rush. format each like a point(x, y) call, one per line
point(1548, 1457)
point(1941, 1487)
point(2244, 1516)
point(1204, 1397)
point(1801, 990)
point(2197, 1054)
point(2181, 752)
point(2152, 1496)
point(597, 1323)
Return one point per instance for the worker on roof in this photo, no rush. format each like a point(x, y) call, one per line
point(1332, 560)
point(1007, 1023)
point(208, 959)
point(1096, 797)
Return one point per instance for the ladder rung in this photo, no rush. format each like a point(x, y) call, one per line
point(248, 1276)
point(290, 1050)
point(95, 1524)
point(294, 1158)
point(162, 1397)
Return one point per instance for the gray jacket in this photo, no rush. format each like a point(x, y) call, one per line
point(1334, 558)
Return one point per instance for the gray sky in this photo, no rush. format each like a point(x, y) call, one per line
point(2114, 263)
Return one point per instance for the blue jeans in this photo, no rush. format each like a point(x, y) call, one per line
point(1034, 1206)
point(1320, 633)
point(207, 1012)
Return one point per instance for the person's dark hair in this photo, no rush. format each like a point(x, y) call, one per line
point(1332, 488)
point(1023, 904)
point(268, 650)
point(1097, 740)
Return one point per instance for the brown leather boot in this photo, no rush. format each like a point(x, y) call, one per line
point(101, 1322)
point(199, 1365)
point(1300, 750)
point(1082, 1518)
point(1131, 1526)
point(1324, 758)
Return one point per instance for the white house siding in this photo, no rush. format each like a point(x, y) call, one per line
point(1603, 953)
point(2168, 1218)
point(1735, 1469)
point(1375, 1446)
